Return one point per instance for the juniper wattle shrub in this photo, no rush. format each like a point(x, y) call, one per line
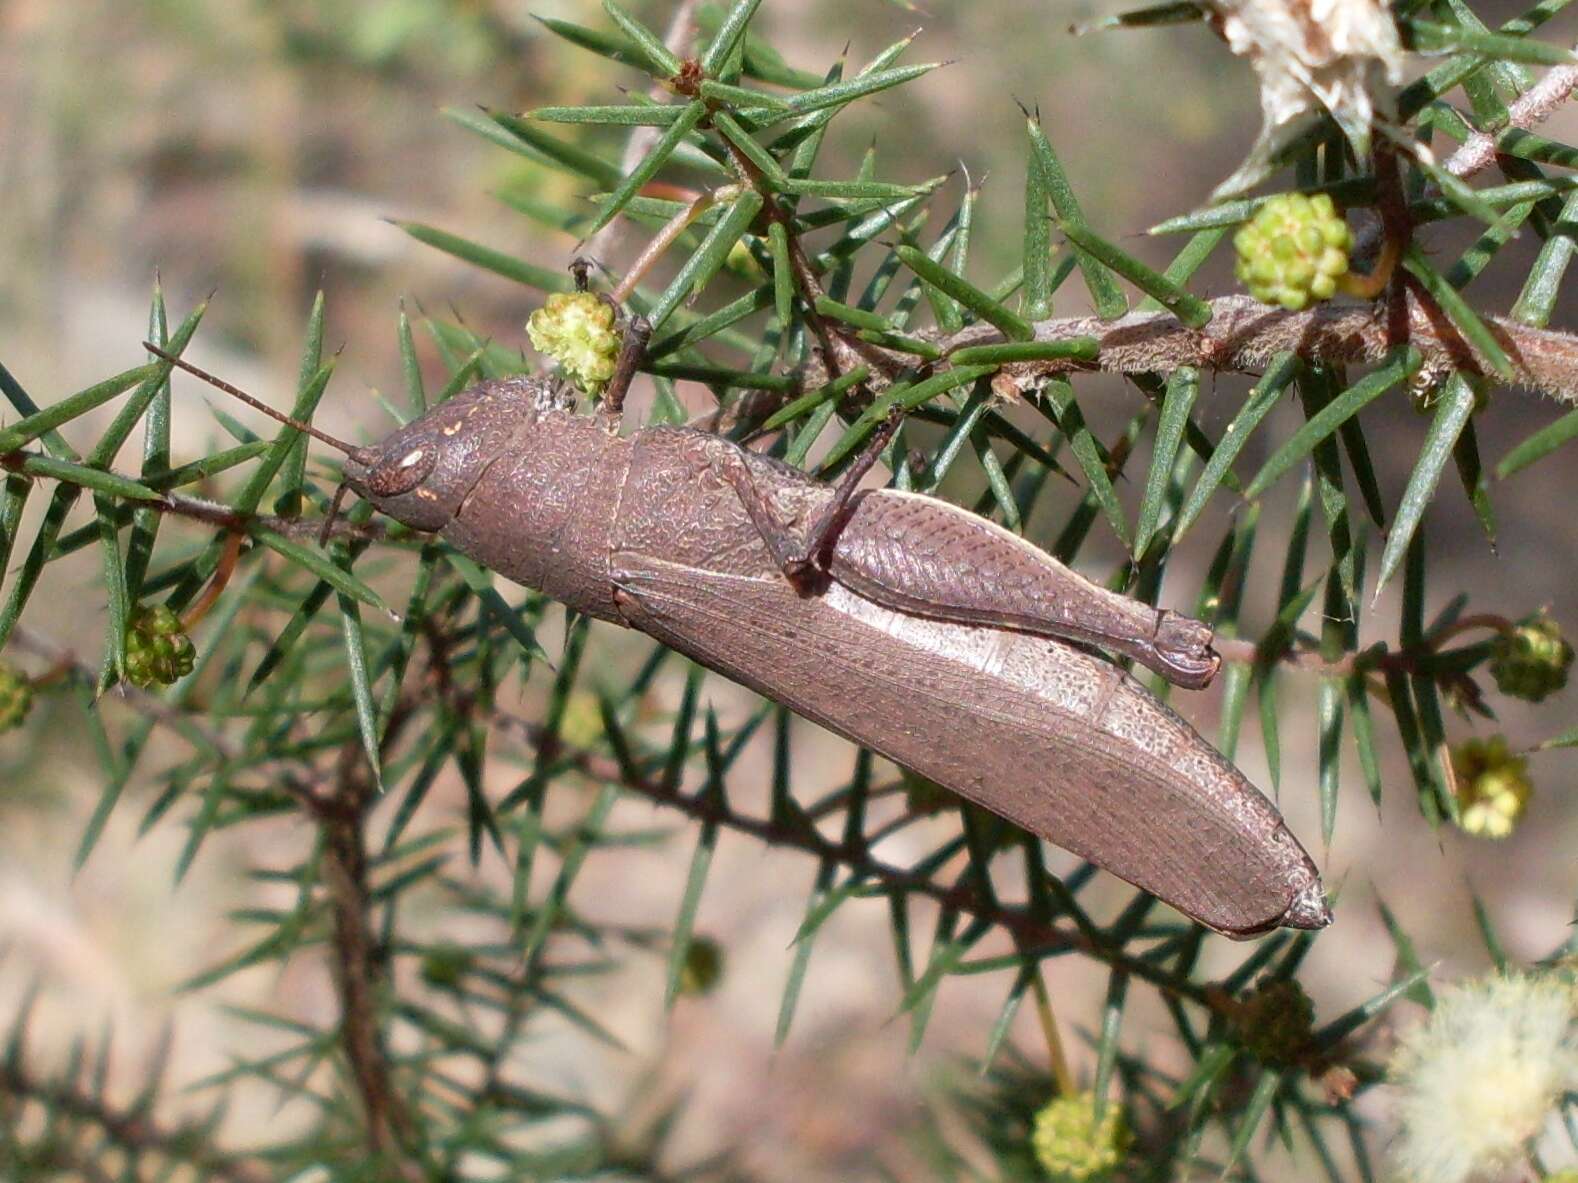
point(452, 753)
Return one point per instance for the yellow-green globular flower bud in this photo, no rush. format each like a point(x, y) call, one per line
point(576, 329)
point(1493, 786)
point(445, 965)
point(16, 697)
point(1069, 1143)
point(1293, 251)
point(1532, 660)
point(581, 725)
point(1274, 1021)
point(703, 966)
point(158, 651)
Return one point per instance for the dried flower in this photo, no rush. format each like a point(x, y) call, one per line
point(16, 697)
point(1275, 1021)
point(1493, 787)
point(1482, 1076)
point(576, 329)
point(1069, 1144)
point(1293, 251)
point(1310, 55)
point(1532, 660)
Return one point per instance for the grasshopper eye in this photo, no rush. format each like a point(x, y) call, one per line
point(401, 474)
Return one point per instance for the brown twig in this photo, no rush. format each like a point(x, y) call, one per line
point(1027, 931)
point(1530, 109)
point(359, 965)
point(1243, 336)
point(150, 705)
point(1477, 153)
point(131, 1129)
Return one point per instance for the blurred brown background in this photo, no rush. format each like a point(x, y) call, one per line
point(255, 149)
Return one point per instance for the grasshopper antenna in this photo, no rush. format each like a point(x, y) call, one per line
point(364, 456)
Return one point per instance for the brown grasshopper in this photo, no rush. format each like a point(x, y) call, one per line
point(900, 621)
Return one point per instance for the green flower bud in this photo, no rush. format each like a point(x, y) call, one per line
point(445, 965)
point(1531, 661)
point(703, 966)
point(158, 651)
point(576, 329)
point(1069, 1144)
point(1293, 251)
point(16, 697)
point(581, 726)
point(1493, 786)
point(1275, 1021)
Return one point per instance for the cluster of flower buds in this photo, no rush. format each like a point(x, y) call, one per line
point(1071, 1145)
point(576, 329)
point(1531, 660)
point(16, 697)
point(158, 651)
point(1293, 251)
point(1493, 786)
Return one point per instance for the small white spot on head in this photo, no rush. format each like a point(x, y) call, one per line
point(411, 459)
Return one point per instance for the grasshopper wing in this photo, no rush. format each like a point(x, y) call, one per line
point(1052, 738)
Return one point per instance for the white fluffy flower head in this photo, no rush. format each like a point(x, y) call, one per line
point(1310, 55)
point(1483, 1075)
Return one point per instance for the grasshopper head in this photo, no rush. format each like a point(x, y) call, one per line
point(422, 473)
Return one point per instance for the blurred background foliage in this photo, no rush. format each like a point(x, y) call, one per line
point(256, 149)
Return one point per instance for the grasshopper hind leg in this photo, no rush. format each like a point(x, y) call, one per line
point(805, 553)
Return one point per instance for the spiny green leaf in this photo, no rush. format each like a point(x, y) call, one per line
point(618, 115)
point(524, 138)
point(1104, 293)
point(1537, 300)
point(1453, 408)
point(41, 422)
point(1069, 349)
point(1009, 323)
point(1189, 309)
point(317, 564)
point(1539, 445)
point(498, 262)
point(1405, 361)
point(709, 256)
point(690, 903)
point(1071, 421)
point(1183, 387)
point(1430, 37)
point(729, 35)
point(1260, 401)
point(1464, 318)
point(361, 684)
point(655, 159)
point(658, 58)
